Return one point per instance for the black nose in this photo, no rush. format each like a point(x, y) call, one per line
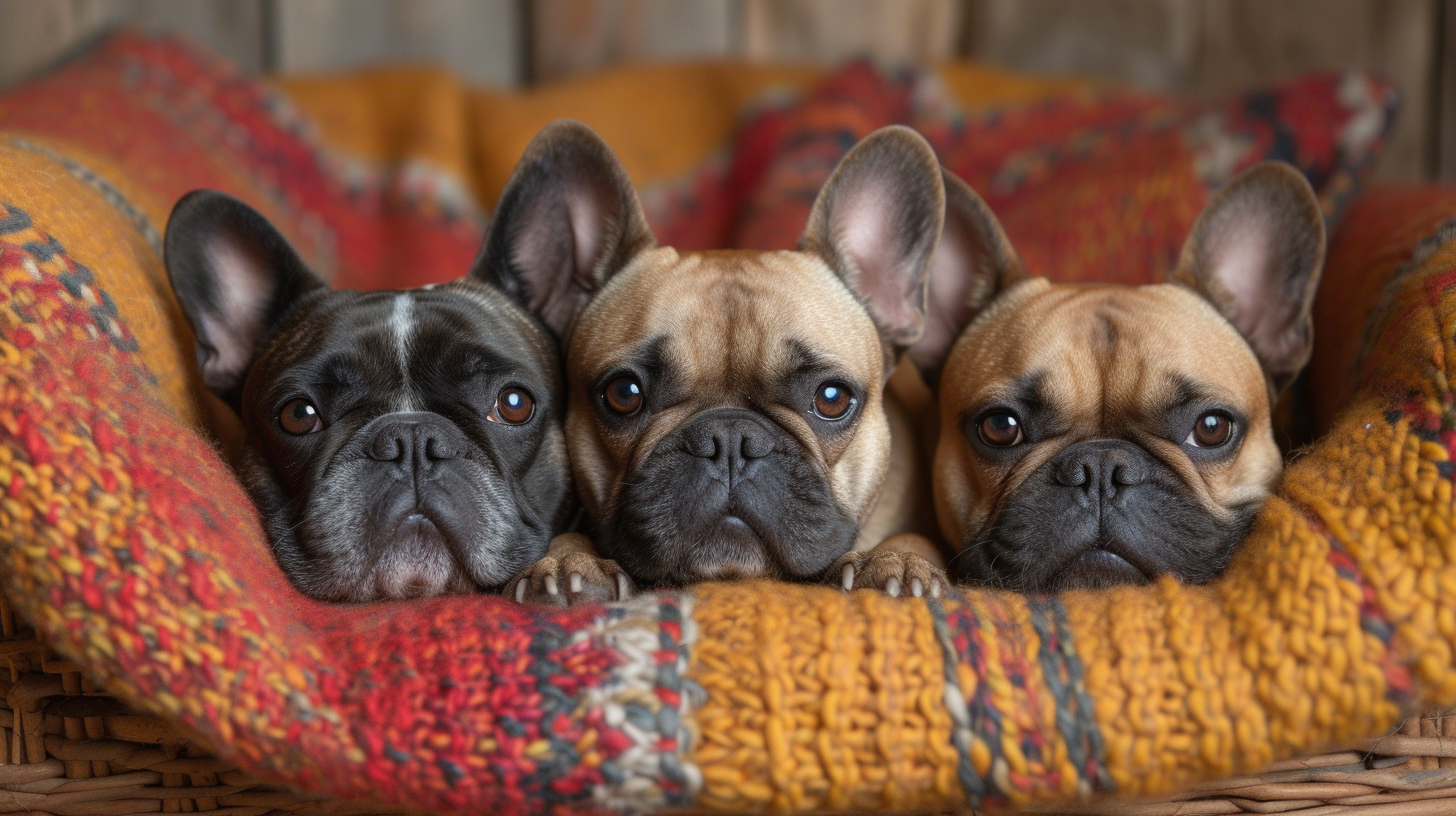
point(1100, 468)
point(417, 440)
point(729, 439)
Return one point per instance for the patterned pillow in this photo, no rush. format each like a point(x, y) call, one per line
point(177, 119)
point(1091, 185)
point(846, 107)
point(1104, 187)
point(699, 210)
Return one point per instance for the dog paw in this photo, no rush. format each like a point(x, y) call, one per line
point(570, 580)
point(897, 573)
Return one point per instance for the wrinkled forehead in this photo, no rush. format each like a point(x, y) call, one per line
point(415, 324)
point(718, 314)
point(1136, 347)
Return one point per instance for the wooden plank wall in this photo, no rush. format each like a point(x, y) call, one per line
point(1445, 93)
point(476, 38)
point(570, 37)
point(1206, 47)
point(35, 32)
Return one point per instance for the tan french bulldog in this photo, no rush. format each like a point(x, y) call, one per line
point(726, 414)
point(1092, 435)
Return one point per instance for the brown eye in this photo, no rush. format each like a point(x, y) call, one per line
point(513, 406)
point(624, 395)
point(300, 418)
point(1212, 430)
point(832, 401)
point(1000, 429)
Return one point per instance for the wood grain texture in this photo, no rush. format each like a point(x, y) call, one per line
point(829, 31)
point(478, 39)
point(34, 33)
point(576, 36)
point(1151, 44)
point(1247, 43)
point(1444, 152)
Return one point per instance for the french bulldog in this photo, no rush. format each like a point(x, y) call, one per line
point(726, 415)
point(399, 444)
point(1095, 435)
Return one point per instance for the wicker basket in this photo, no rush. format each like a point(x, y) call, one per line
point(70, 750)
point(1409, 772)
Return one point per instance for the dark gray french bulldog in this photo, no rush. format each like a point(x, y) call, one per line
point(399, 443)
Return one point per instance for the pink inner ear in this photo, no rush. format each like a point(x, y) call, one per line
point(586, 216)
point(952, 271)
point(1245, 258)
point(1246, 265)
point(244, 286)
point(863, 227)
point(864, 231)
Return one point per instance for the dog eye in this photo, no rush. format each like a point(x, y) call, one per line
point(300, 418)
point(833, 401)
point(1212, 430)
point(1000, 429)
point(624, 395)
point(513, 406)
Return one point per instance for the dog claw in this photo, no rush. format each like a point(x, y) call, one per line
point(897, 574)
point(572, 578)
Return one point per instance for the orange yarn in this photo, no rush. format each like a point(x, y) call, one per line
point(819, 699)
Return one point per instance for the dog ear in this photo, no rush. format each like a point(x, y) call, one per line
point(876, 222)
point(1256, 253)
point(235, 277)
point(973, 263)
point(567, 221)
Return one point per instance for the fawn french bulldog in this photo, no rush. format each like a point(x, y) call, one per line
point(1092, 435)
point(399, 443)
point(726, 415)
